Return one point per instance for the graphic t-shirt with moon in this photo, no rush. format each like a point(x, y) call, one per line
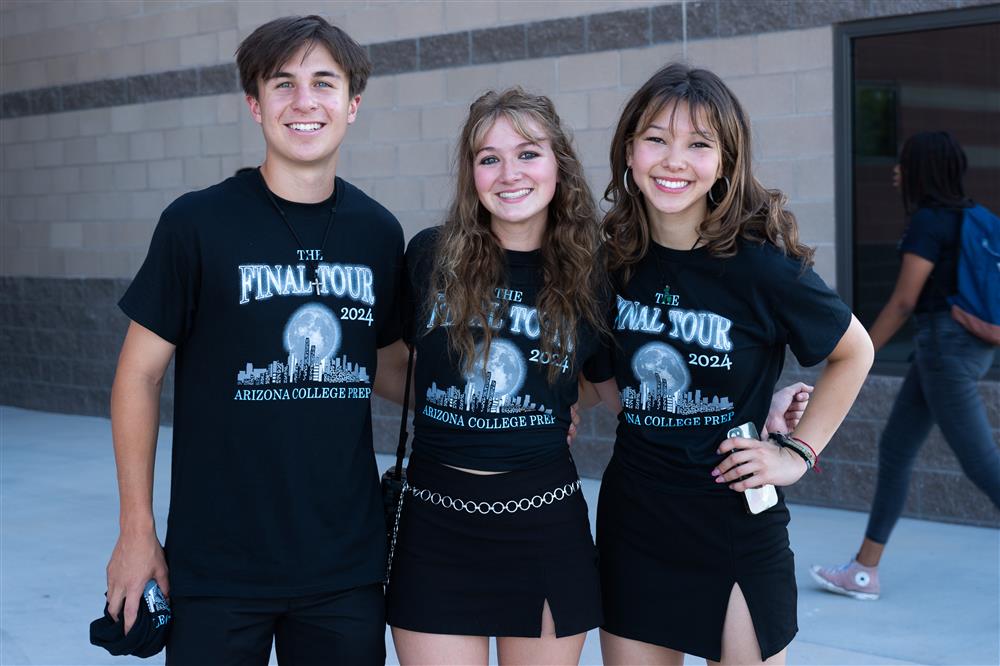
point(503, 414)
point(700, 344)
point(273, 486)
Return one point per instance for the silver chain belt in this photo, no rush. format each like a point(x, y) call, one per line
point(498, 508)
point(471, 507)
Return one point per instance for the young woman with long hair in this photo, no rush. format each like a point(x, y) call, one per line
point(712, 283)
point(509, 302)
point(948, 362)
point(507, 305)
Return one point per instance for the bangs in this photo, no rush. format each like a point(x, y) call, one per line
point(288, 49)
point(703, 114)
point(519, 119)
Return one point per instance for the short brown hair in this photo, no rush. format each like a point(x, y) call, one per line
point(270, 46)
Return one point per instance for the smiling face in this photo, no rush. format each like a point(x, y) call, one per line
point(305, 108)
point(515, 176)
point(675, 161)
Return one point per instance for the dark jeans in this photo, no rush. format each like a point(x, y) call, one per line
point(940, 388)
point(345, 627)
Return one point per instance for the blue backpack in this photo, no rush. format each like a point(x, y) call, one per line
point(976, 305)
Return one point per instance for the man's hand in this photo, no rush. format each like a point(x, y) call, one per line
point(787, 407)
point(135, 418)
point(135, 560)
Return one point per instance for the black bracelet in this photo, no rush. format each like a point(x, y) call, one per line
point(786, 442)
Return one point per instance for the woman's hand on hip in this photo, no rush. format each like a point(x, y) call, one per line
point(762, 462)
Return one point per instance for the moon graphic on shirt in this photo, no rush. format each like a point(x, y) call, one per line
point(317, 324)
point(505, 365)
point(657, 361)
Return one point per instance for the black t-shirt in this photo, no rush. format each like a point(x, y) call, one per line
point(506, 416)
point(274, 488)
point(700, 342)
point(933, 233)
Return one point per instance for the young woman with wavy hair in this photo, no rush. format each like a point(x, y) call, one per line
point(508, 300)
point(507, 307)
point(712, 283)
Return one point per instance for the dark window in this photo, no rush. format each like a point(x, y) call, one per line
point(898, 84)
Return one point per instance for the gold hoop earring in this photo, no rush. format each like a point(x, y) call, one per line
point(728, 185)
point(625, 182)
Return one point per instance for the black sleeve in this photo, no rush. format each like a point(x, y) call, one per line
point(163, 297)
point(419, 270)
point(390, 324)
point(600, 367)
point(925, 235)
point(810, 314)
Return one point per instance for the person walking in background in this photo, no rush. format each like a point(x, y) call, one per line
point(948, 361)
point(713, 285)
point(273, 290)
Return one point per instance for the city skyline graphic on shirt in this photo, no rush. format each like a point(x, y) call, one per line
point(311, 338)
point(664, 382)
point(491, 387)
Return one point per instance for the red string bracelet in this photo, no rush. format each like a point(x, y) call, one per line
point(815, 455)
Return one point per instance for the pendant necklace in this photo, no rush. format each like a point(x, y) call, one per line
point(326, 234)
point(663, 271)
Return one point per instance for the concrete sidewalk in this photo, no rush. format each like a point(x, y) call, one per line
point(58, 513)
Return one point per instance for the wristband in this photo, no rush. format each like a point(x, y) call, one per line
point(811, 449)
point(803, 450)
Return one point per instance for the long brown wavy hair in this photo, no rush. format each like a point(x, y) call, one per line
point(745, 207)
point(470, 262)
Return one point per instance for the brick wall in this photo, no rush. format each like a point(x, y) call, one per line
point(110, 110)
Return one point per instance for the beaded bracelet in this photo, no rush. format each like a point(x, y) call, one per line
point(800, 447)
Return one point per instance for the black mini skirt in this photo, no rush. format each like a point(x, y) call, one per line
point(479, 555)
point(669, 562)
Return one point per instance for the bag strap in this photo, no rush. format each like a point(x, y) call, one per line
point(403, 435)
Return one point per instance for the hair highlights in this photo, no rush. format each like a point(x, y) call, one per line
point(470, 262)
point(743, 209)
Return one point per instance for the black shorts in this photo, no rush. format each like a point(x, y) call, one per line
point(346, 627)
point(669, 562)
point(476, 574)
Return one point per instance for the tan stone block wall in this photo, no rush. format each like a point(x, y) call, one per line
point(83, 190)
point(54, 42)
point(791, 113)
point(75, 179)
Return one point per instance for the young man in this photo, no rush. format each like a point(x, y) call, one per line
point(273, 290)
